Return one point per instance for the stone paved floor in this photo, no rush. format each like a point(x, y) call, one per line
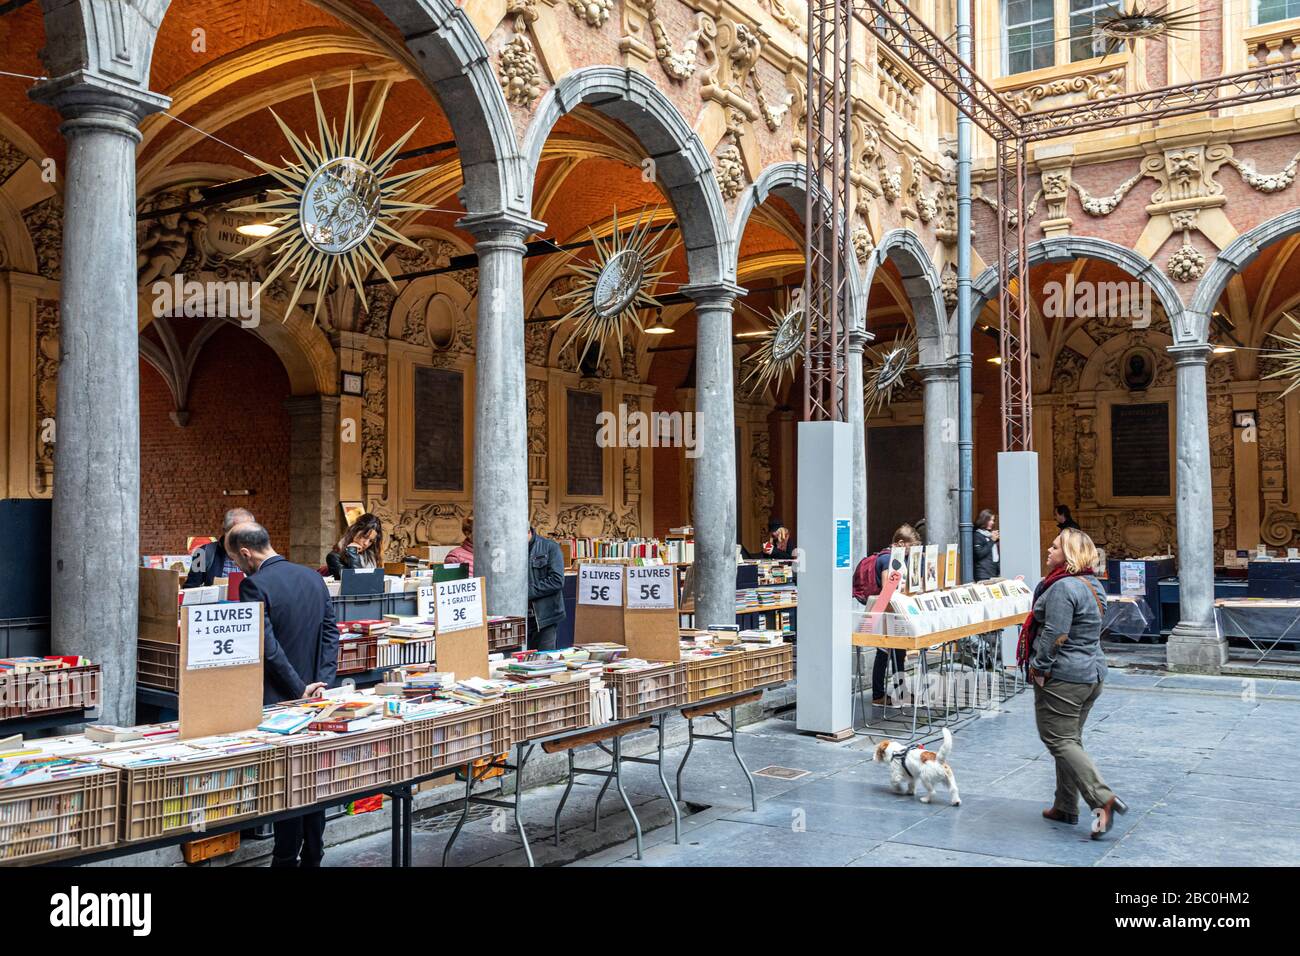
point(1210, 768)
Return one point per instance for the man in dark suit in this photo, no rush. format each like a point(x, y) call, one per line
point(301, 655)
point(211, 561)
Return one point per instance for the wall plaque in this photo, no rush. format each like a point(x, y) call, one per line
point(439, 416)
point(1139, 450)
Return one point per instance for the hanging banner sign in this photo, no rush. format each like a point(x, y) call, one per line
point(223, 635)
point(601, 584)
point(460, 605)
point(651, 588)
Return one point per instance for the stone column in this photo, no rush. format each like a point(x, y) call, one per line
point(854, 406)
point(714, 505)
point(941, 454)
point(1194, 644)
point(501, 411)
point(95, 535)
point(314, 516)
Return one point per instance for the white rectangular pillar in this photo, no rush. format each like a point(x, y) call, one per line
point(1020, 546)
point(825, 516)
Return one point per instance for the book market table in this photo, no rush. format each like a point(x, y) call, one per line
point(612, 731)
point(946, 641)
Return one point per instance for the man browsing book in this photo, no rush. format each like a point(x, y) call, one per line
point(301, 640)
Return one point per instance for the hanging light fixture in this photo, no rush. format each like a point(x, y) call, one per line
point(658, 327)
point(257, 230)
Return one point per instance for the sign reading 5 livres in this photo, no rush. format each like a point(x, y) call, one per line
point(650, 588)
point(460, 605)
point(223, 635)
point(601, 584)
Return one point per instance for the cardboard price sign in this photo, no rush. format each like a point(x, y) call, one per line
point(651, 588)
point(223, 635)
point(424, 597)
point(459, 604)
point(601, 585)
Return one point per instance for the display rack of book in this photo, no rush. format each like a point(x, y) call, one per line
point(42, 686)
point(192, 786)
point(506, 632)
point(57, 818)
point(358, 647)
point(323, 765)
point(544, 709)
point(641, 689)
point(156, 664)
point(451, 740)
point(712, 673)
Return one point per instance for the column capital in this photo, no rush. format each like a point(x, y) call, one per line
point(713, 295)
point(858, 339)
point(90, 100)
point(1190, 353)
point(500, 225)
point(936, 373)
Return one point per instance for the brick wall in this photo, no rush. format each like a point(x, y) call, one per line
point(238, 437)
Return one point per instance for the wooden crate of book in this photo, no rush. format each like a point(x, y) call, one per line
point(771, 665)
point(542, 711)
point(49, 691)
point(714, 677)
point(157, 664)
point(61, 818)
point(507, 632)
point(319, 768)
point(195, 795)
point(642, 691)
point(358, 653)
point(453, 740)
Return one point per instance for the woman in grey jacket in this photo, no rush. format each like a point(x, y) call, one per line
point(1062, 640)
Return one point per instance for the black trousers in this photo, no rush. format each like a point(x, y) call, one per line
point(878, 669)
point(541, 638)
point(300, 841)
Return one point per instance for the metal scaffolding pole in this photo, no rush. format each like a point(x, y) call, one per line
point(965, 430)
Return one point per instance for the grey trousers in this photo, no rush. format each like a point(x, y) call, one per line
point(1060, 711)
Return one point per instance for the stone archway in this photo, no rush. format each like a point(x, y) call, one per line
point(936, 369)
point(1230, 261)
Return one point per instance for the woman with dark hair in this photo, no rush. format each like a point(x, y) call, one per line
point(988, 560)
point(360, 546)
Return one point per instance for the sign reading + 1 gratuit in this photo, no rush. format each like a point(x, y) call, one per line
point(223, 635)
point(601, 584)
point(460, 605)
point(650, 588)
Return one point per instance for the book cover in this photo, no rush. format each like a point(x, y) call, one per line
point(915, 577)
point(931, 565)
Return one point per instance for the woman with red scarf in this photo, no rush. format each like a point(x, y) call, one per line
point(1060, 646)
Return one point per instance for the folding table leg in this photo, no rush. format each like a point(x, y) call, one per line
point(749, 777)
point(690, 745)
point(464, 815)
point(672, 802)
point(618, 782)
point(563, 797)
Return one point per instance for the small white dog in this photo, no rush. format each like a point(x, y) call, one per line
point(910, 765)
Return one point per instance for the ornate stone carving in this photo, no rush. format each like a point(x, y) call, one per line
point(891, 181)
point(678, 64)
point(538, 438)
point(866, 158)
point(730, 51)
point(782, 14)
point(374, 318)
point(731, 171)
point(1093, 86)
point(1265, 182)
point(595, 521)
point(46, 388)
point(428, 524)
point(863, 244)
point(594, 12)
point(948, 286)
point(1185, 173)
point(1105, 205)
point(764, 497)
point(374, 417)
point(11, 159)
point(44, 221)
point(1185, 264)
point(1056, 192)
point(772, 115)
point(1137, 532)
point(162, 244)
point(520, 73)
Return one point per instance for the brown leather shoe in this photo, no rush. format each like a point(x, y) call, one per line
point(1103, 817)
point(1059, 816)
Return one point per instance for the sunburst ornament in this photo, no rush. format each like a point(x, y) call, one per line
point(1143, 19)
point(1288, 355)
point(613, 287)
point(334, 206)
point(888, 369)
point(779, 348)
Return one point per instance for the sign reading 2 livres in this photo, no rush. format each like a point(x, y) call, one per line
point(460, 604)
point(223, 635)
point(601, 584)
point(650, 588)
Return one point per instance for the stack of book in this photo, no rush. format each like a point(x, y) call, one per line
point(530, 669)
point(478, 690)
